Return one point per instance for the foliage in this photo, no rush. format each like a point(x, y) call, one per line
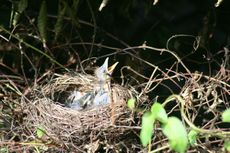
point(40, 132)
point(131, 103)
point(42, 21)
point(227, 145)
point(148, 120)
point(226, 115)
point(176, 133)
point(60, 18)
point(18, 7)
point(159, 112)
point(172, 128)
point(226, 118)
point(192, 137)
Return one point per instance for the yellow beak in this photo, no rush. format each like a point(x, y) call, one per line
point(111, 68)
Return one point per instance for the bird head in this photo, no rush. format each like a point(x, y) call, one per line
point(104, 72)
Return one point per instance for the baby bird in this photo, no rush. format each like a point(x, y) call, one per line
point(101, 92)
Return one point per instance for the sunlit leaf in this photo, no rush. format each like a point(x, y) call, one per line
point(40, 132)
point(4, 149)
point(42, 21)
point(176, 133)
point(159, 112)
point(147, 128)
point(192, 136)
point(227, 145)
point(226, 115)
point(131, 103)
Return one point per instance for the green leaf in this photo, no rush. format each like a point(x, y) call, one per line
point(22, 5)
point(192, 136)
point(75, 6)
point(159, 112)
point(226, 115)
point(4, 149)
point(61, 12)
point(147, 128)
point(40, 132)
point(16, 19)
point(176, 133)
point(227, 145)
point(72, 13)
point(12, 13)
point(131, 103)
point(17, 9)
point(42, 21)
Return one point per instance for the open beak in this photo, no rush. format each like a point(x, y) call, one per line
point(111, 68)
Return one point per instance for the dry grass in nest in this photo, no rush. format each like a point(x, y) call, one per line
point(73, 129)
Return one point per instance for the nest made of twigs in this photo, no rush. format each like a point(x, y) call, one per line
point(73, 128)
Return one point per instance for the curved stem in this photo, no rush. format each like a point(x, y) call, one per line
point(215, 132)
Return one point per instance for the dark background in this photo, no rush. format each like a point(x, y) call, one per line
point(121, 24)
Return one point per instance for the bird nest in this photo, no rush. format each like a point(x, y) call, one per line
point(46, 111)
